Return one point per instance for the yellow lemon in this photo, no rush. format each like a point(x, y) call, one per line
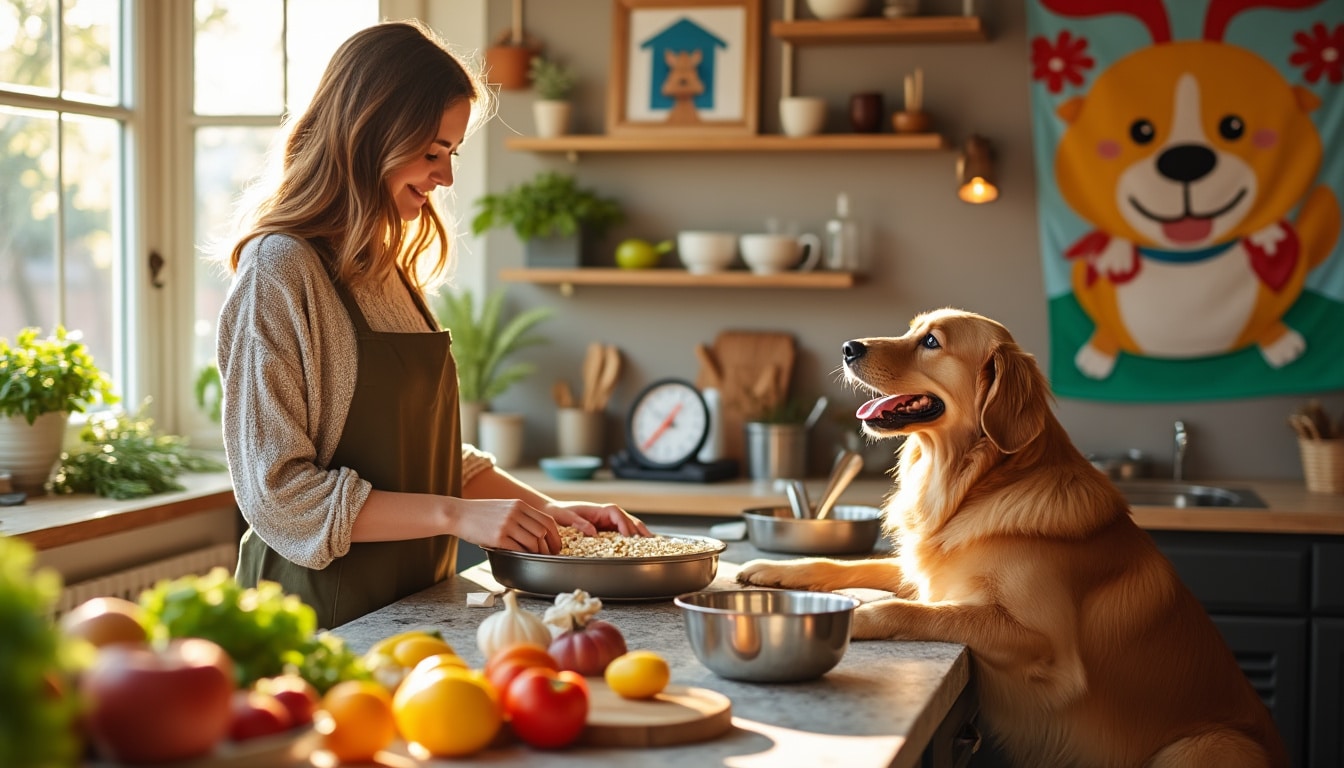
point(412, 650)
point(637, 674)
point(435, 661)
point(388, 643)
point(448, 711)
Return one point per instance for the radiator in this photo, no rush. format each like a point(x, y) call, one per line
point(132, 581)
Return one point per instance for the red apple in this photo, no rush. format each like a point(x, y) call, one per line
point(298, 695)
point(145, 705)
point(257, 714)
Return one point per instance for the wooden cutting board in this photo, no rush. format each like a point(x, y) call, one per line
point(679, 715)
point(744, 359)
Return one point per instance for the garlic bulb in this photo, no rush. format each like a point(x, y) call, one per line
point(511, 626)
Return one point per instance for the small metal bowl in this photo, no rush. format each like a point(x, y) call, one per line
point(768, 635)
point(609, 578)
point(847, 530)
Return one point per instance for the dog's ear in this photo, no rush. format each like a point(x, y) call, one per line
point(1014, 398)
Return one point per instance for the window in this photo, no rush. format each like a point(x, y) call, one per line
point(251, 60)
point(64, 118)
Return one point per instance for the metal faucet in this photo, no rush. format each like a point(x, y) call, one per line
point(1178, 457)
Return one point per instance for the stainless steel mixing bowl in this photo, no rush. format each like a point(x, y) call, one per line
point(610, 578)
point(849, 530)
point(768, 635)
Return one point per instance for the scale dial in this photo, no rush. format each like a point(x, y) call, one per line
point(668, 424)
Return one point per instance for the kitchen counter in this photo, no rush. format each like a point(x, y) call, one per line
point(1291, 507)
point(880, 706)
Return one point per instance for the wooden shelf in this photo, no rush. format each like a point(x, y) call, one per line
point(677, 278)
point(912, 29)
point(855, 142)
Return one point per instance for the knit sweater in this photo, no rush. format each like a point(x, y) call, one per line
point(288, 361)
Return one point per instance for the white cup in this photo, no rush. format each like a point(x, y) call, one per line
point(802, 115)
point(767, 254)
point(705, 252)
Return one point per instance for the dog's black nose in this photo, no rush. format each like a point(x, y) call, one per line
point(853, 350)
point(1186, 162)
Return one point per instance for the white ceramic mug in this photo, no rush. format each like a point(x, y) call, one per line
point(802, 115)
point(767, 254)
point(705, 252)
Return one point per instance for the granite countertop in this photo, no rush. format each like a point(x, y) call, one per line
point(879, 706)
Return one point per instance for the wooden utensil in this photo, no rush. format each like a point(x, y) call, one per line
point(679, 715)
point(847, 467)
point(564, 396)
point(592, 371)
point(710, 376)
point(606, 379)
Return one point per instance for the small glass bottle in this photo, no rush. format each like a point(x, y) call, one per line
point(842, 239)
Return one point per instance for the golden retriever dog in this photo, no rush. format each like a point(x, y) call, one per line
point(1087, 648)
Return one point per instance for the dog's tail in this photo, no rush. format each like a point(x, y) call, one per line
point(1318, 225)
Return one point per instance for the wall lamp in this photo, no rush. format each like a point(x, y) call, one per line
point(975, 171)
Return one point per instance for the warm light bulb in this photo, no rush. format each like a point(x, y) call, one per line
point(977, 190)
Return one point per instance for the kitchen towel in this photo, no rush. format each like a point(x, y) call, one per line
point(1190, 157)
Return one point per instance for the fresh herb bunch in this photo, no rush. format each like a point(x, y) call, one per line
point(46, 375)
point(552, 80)
point(38, 712)
point(120, 457)
point(265, 631)
point(481, 343)
point(551, 204)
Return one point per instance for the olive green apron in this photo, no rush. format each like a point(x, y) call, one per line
point(401, 434)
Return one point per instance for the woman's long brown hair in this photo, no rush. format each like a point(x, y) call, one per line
point(378, 106)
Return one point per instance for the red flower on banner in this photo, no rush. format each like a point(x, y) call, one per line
point(1320, 53)
point(1065, 59)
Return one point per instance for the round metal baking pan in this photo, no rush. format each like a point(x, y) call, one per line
point(609, 578)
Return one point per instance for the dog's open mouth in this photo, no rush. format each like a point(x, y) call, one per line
point(897, 411)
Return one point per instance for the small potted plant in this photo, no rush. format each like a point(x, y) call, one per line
point(508, 56)
point(551, 214)
point(553, 82)
point(482, 344)
point(43, 381)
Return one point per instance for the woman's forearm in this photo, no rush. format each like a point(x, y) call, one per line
point(394, 516)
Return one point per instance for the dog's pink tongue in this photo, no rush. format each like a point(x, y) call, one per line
point(1187, 230)
point(876, 407)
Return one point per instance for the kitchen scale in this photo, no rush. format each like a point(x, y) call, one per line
point(665, 429)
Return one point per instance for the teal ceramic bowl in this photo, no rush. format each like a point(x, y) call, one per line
point(571, 467)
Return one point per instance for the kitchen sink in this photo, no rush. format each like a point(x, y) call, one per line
point(1160, 493)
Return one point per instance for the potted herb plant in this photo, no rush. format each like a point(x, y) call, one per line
point(551, 214)
point(43, 381)
point(553, 82)
point(483, 342)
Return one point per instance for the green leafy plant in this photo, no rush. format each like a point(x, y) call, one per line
point(551, 204)
point(38, 711)
point(209, 391)
point(46, 375)
point(265, 631)
point(482, 342)
point(552, 80)
point(121, 457)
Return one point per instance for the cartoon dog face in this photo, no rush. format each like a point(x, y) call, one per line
point(1220, 147)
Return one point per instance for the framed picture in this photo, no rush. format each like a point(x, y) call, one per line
point(685, 68)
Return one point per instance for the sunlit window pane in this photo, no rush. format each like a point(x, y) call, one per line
point(27, 45)
point(226, 160)
point(92, 247)
point(316, 29)
point(90, 50)
point(239, 62)
point(27, 220)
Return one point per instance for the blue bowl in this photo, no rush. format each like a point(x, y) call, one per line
point(571, 467)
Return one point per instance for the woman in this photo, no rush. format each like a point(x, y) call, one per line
point(340, 391)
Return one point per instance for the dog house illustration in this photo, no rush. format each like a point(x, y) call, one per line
point(682, 77)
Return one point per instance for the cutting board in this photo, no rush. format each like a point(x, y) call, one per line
point(679, 715)
point(746, 360)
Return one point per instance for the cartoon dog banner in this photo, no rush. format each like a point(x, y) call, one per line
point(1190, 158)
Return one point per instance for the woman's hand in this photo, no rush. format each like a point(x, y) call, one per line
point(510, 524)
point(590, 518)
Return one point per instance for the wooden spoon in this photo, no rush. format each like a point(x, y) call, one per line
point(592, 370)
point(564, 396)
point(606, 380)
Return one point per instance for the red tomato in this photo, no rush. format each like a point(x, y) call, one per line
point(507, 663)
point(547, 709)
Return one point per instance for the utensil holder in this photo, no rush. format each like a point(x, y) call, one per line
point(1323, 464)
point(776, 450)
point(579, 432)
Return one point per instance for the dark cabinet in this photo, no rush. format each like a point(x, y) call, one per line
point(1272, 653)
point(1325, 740)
